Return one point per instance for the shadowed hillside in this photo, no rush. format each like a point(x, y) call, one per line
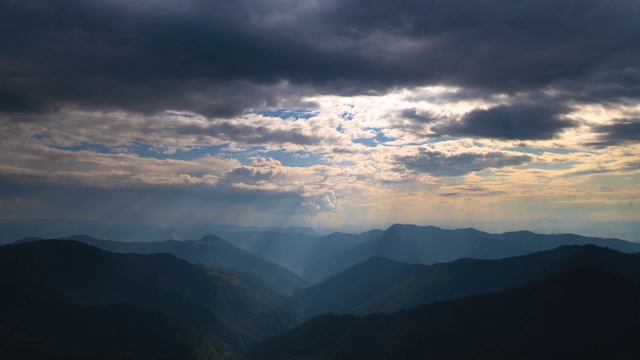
point(58, 290)
point(582, 313)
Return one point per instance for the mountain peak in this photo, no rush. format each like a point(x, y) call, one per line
point(402, 226)
point(81, 238)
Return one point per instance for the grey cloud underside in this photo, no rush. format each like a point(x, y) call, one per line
point(515, 122)
point(248, 134)
point(220, 58)
point(621, 132)
point(441, 164)
point(421, 118)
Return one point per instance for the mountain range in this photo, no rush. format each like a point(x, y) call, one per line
point(364, 296)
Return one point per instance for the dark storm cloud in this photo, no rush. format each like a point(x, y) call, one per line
point(218, 58)
point(501, 45)
point(621, 132)
point(204, 57)
point(438, 163)
point(514, 122)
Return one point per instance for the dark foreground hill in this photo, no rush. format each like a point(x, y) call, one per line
point(579, 314)
point(78, 299)
point(383, 285)
point(210, 250)
point(430, 245)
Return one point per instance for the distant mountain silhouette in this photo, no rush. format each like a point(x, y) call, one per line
point(89, 300)
point(210, 250)
point(383, 285)
point(283, 258)
point(578, 314)
point(429, 245)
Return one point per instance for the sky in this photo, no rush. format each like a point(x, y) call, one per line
point(319, 112)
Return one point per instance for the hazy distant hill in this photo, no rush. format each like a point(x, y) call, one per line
point(295, 251)
point(89, 300)
point(12, 230)
point(15, 229)
point(578, 314)
point(429, 245)
point(537, 242)
point(210, 250)
point(383, 285)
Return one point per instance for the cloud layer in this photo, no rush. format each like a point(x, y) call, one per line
point(328, 112)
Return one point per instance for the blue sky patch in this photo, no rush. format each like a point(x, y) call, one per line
point(87, 147)
point(288, 113)
point(295, 159)
point(380, 138)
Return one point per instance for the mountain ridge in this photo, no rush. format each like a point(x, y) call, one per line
point(429, 245)
point(384, 285)
point(210, 250)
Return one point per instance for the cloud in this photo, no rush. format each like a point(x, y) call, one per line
point(250, 134)
point(222, 58)
point(420, 117)
point(170, 130)
point(620, 132)
point(183, 102)
point(509, 122)
point(438, 163)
